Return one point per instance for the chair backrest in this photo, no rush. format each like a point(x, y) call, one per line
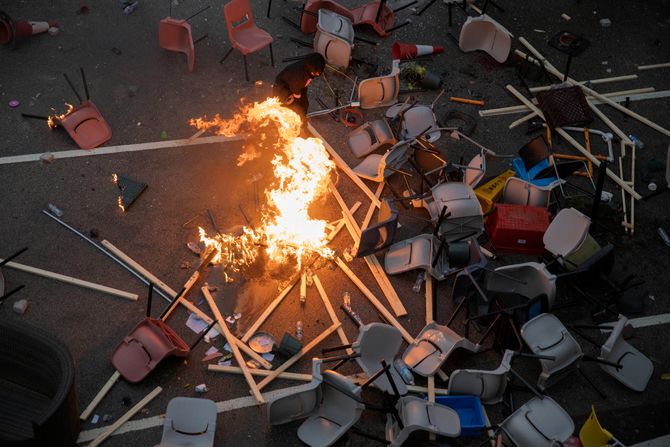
point(416, 120)
point(528, 279)
point(393, 159)
point(381, 235)
point(335, 50)
point(339, 404)
point(566, 232)
point(484, 33)
point(377, 341)
point(545, 334)
point(189, 421)
point(538, 423)
point(490, 386)
point(476, 170)
point(520, 192)
point(175, 35)
point(535, 151)
point(419, 414)
point(86, 125)
point(381, 91)
point(309, 21)
point(332, 23)
point(239, 16)
point(302, 401)
point(592, 434)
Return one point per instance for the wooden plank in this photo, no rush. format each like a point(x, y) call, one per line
point(430, 312)
point(139, 269)
point(122, 148)
point(575, 144)
point(373, 207)
point(123, 419)
point(268, 311)
point(339, 161)
point(305, 349)
point(187, 288)
point(242, 346)
point(331, 312)
point(236, 351)
point(653, 66)
point(101, 394)
point(70, 280)
point(592, 81)
point(259, 372)
point(592, 92)
point(341, 222)
point(431, 398)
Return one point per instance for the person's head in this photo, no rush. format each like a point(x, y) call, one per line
point(314, 64)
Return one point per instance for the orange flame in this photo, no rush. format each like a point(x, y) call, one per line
point(301, 169)
point(54, 120)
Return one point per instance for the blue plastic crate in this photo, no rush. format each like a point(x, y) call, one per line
point(470, 412)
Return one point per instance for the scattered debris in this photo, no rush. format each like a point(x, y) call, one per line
point(47, 157)
point(185, 265)
point(94, 233)
point(107, 418)
point(130, 190)
point(664, 236)
point(20, 306)
point(133, 90)
point(95, 419)
point(566, 17)
point(116, 51)
point(55, 210)
point(195, 248)
point(605, 23)
point(14, 103)
point(202, 388)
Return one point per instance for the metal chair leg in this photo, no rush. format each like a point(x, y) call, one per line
point(269, 7)
point(226, 55)
point(272, 57)
point(246, 70)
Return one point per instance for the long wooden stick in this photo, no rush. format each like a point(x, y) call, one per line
point(70, 280)
point(236, 351)
point(653, 66)
point(137, 267)
point(574, 143)
point(101, 394)
point(592, 92)
point(339, 161)
point(298, 355)
point(121, 149)
point(187, 288)
point(592, 81)
point(331, 312)
point(308, 378)
point(123, 419)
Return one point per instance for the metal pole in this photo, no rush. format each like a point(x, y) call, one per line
point(118, 261)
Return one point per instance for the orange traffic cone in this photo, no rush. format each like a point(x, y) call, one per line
point(11, 30)
point(406, 51)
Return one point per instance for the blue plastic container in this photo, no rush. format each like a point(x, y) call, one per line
point(470, 412)
point(529, 176)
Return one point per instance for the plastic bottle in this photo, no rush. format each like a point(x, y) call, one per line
point(130, 8)
point(346, 298)
point(636, 141)
point(298, 330)
point(420, 278)
point(404, 371)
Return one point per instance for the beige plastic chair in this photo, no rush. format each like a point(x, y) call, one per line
point(369, 137)
point(418, 414)
point(484, 33)
point(521, 192)
point(381, 91)
point(330, 402)
point(528, 279)
point(377, 342)
point(490, 386)
point(189, 422)
point(546, 335)
point(334, 38)
point(432, 347)
point(636, 369)
point(377, 167)
point(537, 423)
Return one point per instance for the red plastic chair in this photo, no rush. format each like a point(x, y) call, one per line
point(145, 347)
point(243, 32)
point(309, 18)
point(175, 35)
point(86, 125)
point(367, 15)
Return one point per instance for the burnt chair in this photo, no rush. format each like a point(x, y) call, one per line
point(38, 404)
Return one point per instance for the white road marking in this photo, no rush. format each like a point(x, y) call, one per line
point(651, 320)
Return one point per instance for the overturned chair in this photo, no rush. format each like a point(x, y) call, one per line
point(369, 137)
point(540, 422)
point(415, 120)
point(334, 38)
point(381, 91)
point(414, 414)
point(189, 422)
point(484, 33)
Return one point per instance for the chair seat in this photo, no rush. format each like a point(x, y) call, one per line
point(432, 347)
point(175, 35)
point(408, 255)
point(86, 126)
point(367, 15)
point(368, 168)
point(317, 431)
point(250, 39)
point(539, 423)
point(132, 361)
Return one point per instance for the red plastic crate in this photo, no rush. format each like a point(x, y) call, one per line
point(518, 228)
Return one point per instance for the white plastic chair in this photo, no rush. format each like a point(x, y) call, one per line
point(537, 423)
point(419, 414)
point(566, 233)
point(521, 192)
point(189, 422)
point(377, 167)
point(376, 342)
point(484, 33)
point(369, 137)
point(490, 386)
point(381, 91)
point(466, 217)
point(416, 119)
point(636, 369)
point(528, 279)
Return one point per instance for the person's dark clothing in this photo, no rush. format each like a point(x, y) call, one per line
point(294, 79)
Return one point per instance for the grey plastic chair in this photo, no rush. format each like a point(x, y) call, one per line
point(537, 423)
point(376, 342)
point(484, 33)
point(490, 386)
point(546, 335)
point(432, 347)
point(369, 137)
point(330, 402)
point(528, 279)
point(189, 422)
point(566, 233)
point(466, 218)
point(334, 38)
point(636, 369)
point(475, 171)
point(419, 414)
point(377, 167)
point(415, 120)
point(419, 253)
point(520, 192)
point(381, 91)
